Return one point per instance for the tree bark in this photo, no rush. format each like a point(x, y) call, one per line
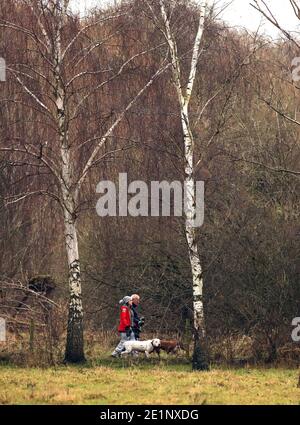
point(74, 352)
point(75, 343)
point(200, 361)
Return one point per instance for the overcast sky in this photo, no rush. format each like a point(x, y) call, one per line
point(239, 13)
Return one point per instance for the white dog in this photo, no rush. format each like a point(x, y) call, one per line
point(144, 346)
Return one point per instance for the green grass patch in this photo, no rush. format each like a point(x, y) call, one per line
point(142, 381)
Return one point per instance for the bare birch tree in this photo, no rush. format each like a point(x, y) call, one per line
point(184, 94)
point(59, 103)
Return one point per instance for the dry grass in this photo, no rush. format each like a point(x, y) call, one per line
point(146, 382)
point(104, 380)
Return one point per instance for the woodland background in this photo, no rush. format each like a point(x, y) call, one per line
point(249, 243)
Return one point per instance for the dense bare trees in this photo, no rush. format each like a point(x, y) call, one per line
point(83, 102)
point(289, 77)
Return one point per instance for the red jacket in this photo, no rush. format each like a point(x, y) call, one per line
point(125, 318)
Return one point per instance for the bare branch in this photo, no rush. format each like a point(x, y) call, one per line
point(23, 85)
point(267, 13)
point(119, 118)
point(87, 27)
point(41, 157)
point(11, 25)
point(84, 73)
point(40, 25)
point(196, 51)
point(22, 196)
point(121, 69)
point(279, 112)
point(268, 167)
point(173, 52)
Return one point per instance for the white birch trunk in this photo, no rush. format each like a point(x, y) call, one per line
point(199, 361)
point(74, 347)
point(196, 269)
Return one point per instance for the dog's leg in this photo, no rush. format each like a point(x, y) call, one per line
point(147, 354)
point(128, 351)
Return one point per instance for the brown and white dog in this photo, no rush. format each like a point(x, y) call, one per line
point(169, 345)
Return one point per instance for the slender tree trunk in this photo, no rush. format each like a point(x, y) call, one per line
point(200, 361)
point(75, 344)
point(184, 94)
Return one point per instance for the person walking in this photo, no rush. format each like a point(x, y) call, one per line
point(125, 326)
point(137, 321)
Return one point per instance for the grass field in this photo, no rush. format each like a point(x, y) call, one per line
point(146, 382)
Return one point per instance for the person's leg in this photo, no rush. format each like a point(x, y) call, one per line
point(120, 346)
